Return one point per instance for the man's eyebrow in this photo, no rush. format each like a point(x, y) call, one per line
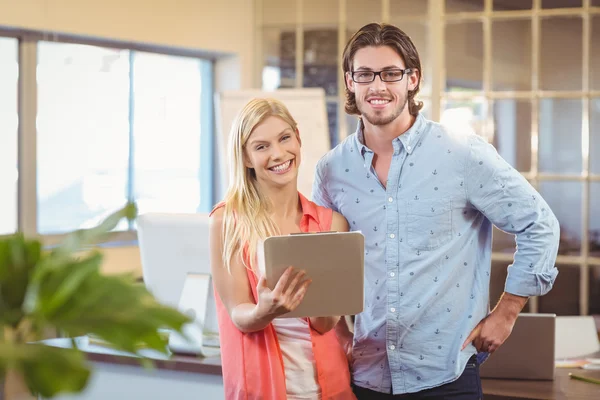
point(361, 68)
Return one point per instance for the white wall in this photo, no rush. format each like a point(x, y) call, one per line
point(220, 26)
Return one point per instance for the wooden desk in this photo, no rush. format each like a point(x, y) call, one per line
point(562, 388)
point(119, 376)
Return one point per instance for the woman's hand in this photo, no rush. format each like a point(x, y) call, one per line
point(285, 297)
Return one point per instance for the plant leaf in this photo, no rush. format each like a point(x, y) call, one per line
point(18, 258)
point(70, 282)
point(79, 239)
point(47, 371)
point(114, 308)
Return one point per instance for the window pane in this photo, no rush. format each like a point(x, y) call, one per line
point(594, 219)
point(464, 55)
point(279, 64)
point(320, 19)
point(511, 52)
point(561, 69)
point(503, 242)
point(360, 13)
point(352, 122)
point(466, 116)
point(497, 281)
point(320, 59)
point(462, 6)
point(563, 299)
point(512, 136)
point(561, 3)
point(9, 120)
point(332, 109)
point(83, 139)
point(594, 299)
point(564, 199)
point(426, 110)
point(560, 136)
point(595, 135)
point(505, 5)
point(407, 8)
point(166, 133)
point(595, 52)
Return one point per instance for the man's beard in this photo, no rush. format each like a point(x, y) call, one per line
point(382, 120)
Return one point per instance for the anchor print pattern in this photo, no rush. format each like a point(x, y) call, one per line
point(433, 180)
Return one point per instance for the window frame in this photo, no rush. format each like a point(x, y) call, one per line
point(437, 95)
point(27, 209)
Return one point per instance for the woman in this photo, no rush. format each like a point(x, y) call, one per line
point(263, 356)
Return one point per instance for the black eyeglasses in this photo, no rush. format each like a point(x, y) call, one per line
point(388, 75)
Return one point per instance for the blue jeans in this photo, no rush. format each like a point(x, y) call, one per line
point(466, 387)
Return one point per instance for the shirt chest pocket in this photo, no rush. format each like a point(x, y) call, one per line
point(428, 223)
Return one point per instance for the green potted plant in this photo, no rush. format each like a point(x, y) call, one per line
point(63, 290)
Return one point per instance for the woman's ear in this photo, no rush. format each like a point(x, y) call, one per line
point(298, 137)
point(247, 162)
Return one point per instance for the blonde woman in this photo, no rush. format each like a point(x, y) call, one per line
point(263, 356)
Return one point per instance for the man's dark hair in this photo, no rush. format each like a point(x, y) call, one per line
point(383, 35)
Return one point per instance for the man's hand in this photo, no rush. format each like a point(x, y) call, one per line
point(493, 330)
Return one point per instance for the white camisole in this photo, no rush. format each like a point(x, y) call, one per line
point(293, 335)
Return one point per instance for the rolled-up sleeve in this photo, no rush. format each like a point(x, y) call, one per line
point(507, 199)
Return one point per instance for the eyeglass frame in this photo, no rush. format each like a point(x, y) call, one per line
point(404, 71)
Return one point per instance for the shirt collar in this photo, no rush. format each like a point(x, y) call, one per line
point(409, 139)
point(308, 207)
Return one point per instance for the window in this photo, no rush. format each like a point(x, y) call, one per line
point(9, 119)
point(117, 125)
point(166, 133)
point(491, 72)
point(83, 134)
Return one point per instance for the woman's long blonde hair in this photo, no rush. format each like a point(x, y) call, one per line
point(246, 218)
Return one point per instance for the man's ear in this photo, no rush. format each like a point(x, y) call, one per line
point(349, 82)
point(413, 79)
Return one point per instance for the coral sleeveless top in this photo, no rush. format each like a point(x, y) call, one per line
point(252, 363)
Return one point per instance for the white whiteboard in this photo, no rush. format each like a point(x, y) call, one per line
point(308, 108)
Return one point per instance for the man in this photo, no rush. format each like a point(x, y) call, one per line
point(426, 199)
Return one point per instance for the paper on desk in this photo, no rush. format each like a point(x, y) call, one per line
point(570, 363)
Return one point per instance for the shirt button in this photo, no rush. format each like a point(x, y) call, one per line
point(408, 147)
point(392, 274)
point(390, 199)
point(392, 347)
point(392, 235)
point(392, 309)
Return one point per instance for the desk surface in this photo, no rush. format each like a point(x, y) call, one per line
point(96, 353)
point(562, 388)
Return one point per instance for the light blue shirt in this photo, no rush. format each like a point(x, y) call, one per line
point(428, 240)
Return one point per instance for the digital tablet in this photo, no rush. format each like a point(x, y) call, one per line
point(333, 260)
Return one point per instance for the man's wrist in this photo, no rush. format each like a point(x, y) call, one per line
point(510, 305)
